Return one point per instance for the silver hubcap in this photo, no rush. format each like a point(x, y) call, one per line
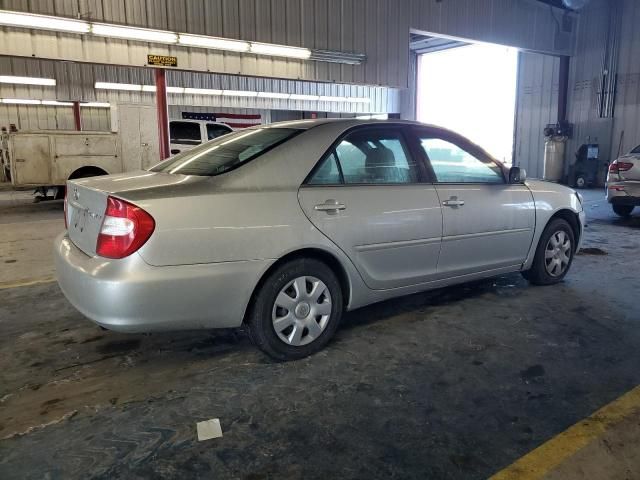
point(557, 254)
point(301, 311)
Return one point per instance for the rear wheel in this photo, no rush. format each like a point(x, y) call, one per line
point(297, 310)
point(623, 210)
point(554, 254)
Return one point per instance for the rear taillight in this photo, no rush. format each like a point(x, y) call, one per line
point(66, 220)
point(124, 230)
point(617, 167)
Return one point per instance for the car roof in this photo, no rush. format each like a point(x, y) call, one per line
point(345, 122)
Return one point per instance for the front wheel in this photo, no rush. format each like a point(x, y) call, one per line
point(554, 254)
point(296, 310)
point(623, 210)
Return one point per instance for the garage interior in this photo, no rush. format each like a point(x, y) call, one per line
point(496, 378)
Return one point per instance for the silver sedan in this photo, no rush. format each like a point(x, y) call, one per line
point(283, 227)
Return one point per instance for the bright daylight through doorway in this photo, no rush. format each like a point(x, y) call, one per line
point(471, 90)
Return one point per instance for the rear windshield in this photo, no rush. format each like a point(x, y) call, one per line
point(226, 153)
point(636, 150)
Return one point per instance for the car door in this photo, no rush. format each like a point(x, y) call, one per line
point(487, 223)
point(369, 196)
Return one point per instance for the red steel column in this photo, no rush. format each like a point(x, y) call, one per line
point(163, 114)
point(77, 119)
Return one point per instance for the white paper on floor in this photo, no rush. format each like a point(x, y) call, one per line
point(209, 429)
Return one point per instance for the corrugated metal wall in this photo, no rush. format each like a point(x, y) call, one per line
point(75, 81)
point(536, 106)
point(585, 74)
point(377, 28)
point(39, 117)
point(627, 106)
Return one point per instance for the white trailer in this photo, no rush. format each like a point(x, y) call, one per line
point(45, 160)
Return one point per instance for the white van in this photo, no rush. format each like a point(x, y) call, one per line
point(186, 134)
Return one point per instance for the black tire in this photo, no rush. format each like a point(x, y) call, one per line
point(623, 210)
point(260, 322)
point(538, 274)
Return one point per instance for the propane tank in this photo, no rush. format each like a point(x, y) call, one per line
point(554, 148)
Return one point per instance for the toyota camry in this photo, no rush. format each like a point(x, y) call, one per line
point(282, 228)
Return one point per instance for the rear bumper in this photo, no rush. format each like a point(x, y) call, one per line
point(623, 193)
point(624, 200)
point(129, 295)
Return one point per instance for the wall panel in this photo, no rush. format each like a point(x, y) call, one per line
point(377, 28)
point(536, 106)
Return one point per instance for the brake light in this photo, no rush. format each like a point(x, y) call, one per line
point(617, 167)
point(66, 221)
point(125, 228)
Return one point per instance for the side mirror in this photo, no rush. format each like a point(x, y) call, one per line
point(517, 175)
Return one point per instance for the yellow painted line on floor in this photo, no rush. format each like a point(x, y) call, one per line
point(539, 462)
point(5, 286)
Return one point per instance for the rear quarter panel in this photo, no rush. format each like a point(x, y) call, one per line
point(228, 226)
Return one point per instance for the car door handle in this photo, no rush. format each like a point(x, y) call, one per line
point(330, 206)
point(453, 202)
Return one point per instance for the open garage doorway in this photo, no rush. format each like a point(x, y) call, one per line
point(468, 88)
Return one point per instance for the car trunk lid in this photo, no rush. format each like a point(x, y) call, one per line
point(87, 201)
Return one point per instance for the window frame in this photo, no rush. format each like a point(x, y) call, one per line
point(424, 176)
point(461, 142)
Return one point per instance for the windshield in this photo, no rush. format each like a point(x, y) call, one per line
point(636, 150)
point(225, 153)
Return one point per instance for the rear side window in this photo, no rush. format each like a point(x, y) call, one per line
point(327, 173)
point(185, 133)
point(368, 156)
point(636, 150)
point(215, 131)
point(226, 153)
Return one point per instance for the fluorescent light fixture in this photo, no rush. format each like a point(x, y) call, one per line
point(202, 91)
point(231, 93)
point(213, 42)
point(280, 50)
point(27, 80)
point(296, 96)
point(71, 25)
point(239, 93)
point(332, 99)
point(20, 101)
point(132, 33)
point(56, 103)
point(118, 86)
point(96, 104)
point(44, 22)
point(273, 95)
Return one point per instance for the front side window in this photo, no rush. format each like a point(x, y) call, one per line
point(452, 164)
point(185, 133)
point(226, 153)
point(215, 131)
point(368, 156)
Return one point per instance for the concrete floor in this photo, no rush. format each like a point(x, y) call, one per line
point(455, 384)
